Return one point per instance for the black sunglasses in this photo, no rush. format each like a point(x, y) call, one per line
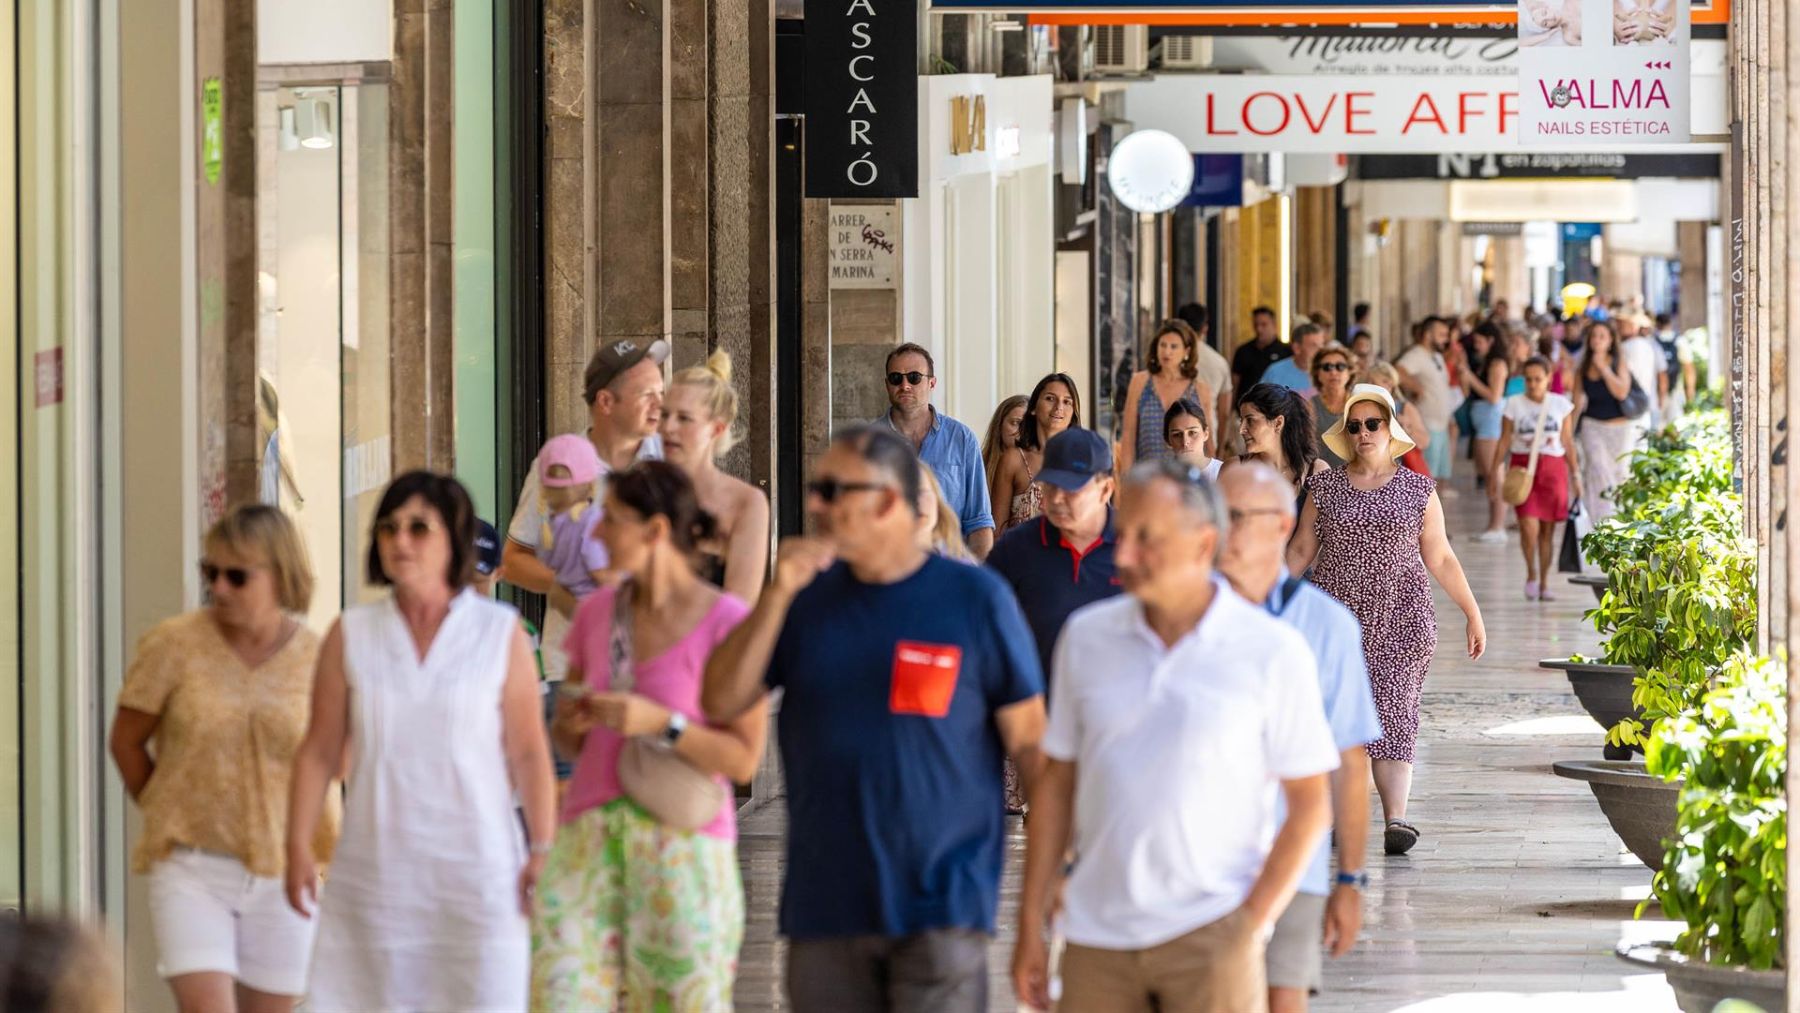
point(1355, 426)
point(915, 378)
point(418, 527)
point(236, 576)
point(829, 489)
point(1334, 367)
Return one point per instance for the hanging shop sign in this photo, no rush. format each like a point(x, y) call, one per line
point(1218, 182)
point(1405, 15)
point(1590, 72)
point(1244, 113)
point(1542, 165)
point(1366, 54)
point(863, 241)
point(862, 98)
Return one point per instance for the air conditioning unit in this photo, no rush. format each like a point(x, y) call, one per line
point(1187, 52)
point(1121, 49)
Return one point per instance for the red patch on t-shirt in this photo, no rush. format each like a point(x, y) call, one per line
point(924, 678)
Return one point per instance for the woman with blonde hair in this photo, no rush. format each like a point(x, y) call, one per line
point(1002, 436)
point(225, 693)
point(698, 412)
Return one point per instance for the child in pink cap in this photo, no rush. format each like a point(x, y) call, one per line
point(567, 470)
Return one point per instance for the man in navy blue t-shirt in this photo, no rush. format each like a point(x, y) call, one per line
point(1063, 560)
point(907, 678)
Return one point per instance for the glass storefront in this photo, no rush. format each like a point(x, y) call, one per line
point(322, 350)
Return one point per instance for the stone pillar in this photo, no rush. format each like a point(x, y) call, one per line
point(1690, 243)
point(1511, 281)
point(569, 215)
point(690, 182)
point(1262, 279)
point(421, 223)
point(864, 327)
point(225, 246)
point(629, 40)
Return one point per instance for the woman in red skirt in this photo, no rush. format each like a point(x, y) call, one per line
point(1540, 419)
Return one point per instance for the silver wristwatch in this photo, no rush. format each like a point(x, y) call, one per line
point(678, 723)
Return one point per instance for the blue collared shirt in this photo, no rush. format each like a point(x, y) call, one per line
point(1053, 578)
point(1288, 374)
point(955, 457)
point(1336, 640)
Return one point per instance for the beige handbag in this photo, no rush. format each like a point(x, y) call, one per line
point(676, 793)
point(1516, 487)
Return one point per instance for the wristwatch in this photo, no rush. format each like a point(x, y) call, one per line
point(678, 723)
point(1359, 880)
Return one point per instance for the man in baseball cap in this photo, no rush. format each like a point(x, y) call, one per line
point(623, 388)
point(1063, 559)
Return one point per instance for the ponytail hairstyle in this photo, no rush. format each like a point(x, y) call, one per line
point(660, 489)
point(714, 381)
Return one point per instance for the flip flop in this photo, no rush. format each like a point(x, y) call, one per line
point(1400, 837)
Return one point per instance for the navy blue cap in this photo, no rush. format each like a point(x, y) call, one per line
point(1073, 457)
point(487, 548)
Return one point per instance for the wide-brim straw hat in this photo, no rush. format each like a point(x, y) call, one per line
point(1339, 441)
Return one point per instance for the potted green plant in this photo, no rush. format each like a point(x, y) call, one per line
point(1724, 870)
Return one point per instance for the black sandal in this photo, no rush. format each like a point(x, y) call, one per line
point(1400, 837)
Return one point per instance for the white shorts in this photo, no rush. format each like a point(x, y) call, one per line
point(211, 914)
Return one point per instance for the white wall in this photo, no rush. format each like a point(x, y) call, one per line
point(324, 31)
point(978, 257)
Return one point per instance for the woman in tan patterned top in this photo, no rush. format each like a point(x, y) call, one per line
point(224, 694)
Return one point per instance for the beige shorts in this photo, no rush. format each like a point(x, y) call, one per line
point(1217, 968)
point(1297, 949)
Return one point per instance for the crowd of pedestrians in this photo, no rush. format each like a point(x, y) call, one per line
point(1233, 591)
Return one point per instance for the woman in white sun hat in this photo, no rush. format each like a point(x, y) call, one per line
point(1373, 534)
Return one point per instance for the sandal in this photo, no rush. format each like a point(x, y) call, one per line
point(1400, 837)
point(1532, 590)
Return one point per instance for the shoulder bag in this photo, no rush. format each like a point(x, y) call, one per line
point(673, 791)
point(1636, 404)
point(1516, 487)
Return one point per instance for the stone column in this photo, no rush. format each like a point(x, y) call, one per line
point(1690, 243)
point(421, 221)
point(630, 43)
point(225, 245)
point(690, 180)
point(1261, 280)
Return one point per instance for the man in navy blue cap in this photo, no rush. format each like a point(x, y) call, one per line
point(1064, 559)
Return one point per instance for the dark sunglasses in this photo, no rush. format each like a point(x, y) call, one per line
point(418, 527)
point(236, 576)
point(1334, 367)
point(915, 378)
point(829, 489)
point(1355, 426)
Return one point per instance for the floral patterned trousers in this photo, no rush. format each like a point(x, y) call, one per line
point(632, 915)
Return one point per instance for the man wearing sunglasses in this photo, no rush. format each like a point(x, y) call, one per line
point(1295, 372)
point(1327, 911)
point(940, 441)
point(906, 677)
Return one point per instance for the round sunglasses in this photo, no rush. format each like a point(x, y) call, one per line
point(1355, 426)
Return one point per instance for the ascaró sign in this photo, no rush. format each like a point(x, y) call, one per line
point(862, 98)
point(1252, 113)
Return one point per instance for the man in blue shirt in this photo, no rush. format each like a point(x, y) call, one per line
point(940, 441)
point(1296, 373)
point(907, 677)
point(1064, 559)
point(1326, 912)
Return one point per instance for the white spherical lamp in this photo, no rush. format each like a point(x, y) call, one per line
point(1150, 171)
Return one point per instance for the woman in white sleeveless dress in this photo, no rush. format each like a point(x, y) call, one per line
point(434, 693)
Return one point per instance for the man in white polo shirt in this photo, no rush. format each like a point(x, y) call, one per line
point(1178, 712)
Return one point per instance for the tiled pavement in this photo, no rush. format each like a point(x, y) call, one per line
point(1516, 893)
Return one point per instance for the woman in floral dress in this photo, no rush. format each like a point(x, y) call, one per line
point(1373, 534)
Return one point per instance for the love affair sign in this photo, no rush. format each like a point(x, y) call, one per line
point(1330, 114)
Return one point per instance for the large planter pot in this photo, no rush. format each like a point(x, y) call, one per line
point(1641, 808)
point(1700, 987)
point(1596, 584)
point(1604, 692)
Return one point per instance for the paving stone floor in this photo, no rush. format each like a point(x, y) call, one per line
point(1517, 891)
